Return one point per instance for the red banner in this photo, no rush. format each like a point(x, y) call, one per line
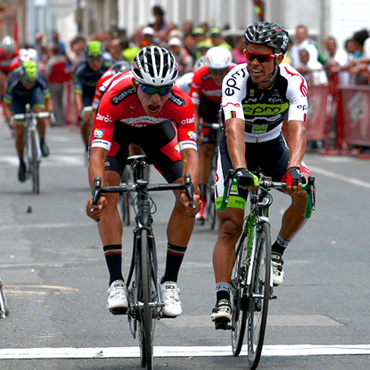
point(355, 115)
point(317, 115)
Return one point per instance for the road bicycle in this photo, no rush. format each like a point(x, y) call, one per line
point(252, 281)
point(127, 199)
point(144, 294)
point(32, 144)
point(210, 186)
point(4, 311)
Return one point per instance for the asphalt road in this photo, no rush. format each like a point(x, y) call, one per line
point(56, 279)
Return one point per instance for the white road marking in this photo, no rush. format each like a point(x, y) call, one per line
point(184, 351)
point(52, 161)
point(339, 177)
point(48, 226)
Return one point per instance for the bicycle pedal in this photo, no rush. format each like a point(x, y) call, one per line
point(222, 325)
point(118, 311)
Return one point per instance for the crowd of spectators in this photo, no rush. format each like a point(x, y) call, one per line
point(189, 42)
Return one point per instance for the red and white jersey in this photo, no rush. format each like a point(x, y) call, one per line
point(8, 63)
point(203, 85)
point(98, 93)
point(120, 105)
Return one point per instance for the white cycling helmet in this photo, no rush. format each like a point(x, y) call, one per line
point(8, 43)
point(218, 58)
point(200, 62)
point(154, 65)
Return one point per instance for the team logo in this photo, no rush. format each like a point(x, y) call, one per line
point(98, 133)
point(192, 135)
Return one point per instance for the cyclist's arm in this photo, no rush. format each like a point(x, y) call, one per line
point(297, 142)
point(97, 169)
point(98, 157)
point(7, 111)
point(49, 105)
point(191, 164)
point(235, 142)
point(78, 101)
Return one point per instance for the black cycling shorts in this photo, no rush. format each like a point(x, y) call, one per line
point(159, 142)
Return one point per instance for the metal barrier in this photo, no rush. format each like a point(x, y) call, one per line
point(349, 109)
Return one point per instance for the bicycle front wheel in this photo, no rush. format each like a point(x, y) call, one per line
point(238, 301)
point(147, 308)
point(260, 295)
point(35, 164)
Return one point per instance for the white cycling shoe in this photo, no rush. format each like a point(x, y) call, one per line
point(278, 274)
point(171, 298)
point(117, 302)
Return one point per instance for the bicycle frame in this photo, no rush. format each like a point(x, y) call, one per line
point(253, 269)
point(32, 143)
point(143, 284)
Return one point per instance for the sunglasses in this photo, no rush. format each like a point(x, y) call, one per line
point(151, 90)
point(261, 57)
point(219, 71)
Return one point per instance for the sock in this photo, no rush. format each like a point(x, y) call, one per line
point(279, 246)
point(222, 291)
point(21, 160)
point(203, 192)
point(113, 257)
point(175, 255)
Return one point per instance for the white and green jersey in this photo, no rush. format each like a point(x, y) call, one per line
point(264, 110)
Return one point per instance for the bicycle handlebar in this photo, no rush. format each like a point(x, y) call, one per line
point(98, 190)
point(22, 116)
point(268, 184)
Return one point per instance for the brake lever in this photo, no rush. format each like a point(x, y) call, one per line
point(189, 189)
point(96, 192)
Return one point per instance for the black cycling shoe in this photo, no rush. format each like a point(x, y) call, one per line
point(22, 172)
point(44, 148)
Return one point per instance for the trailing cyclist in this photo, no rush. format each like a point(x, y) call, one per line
point(8, 57)
point(86, 77)
point(27, 85)
point(205, 91)
point(144, 107)
point(256, 98)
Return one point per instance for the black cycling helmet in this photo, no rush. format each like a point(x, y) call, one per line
point(121, 66)
point(269, 34)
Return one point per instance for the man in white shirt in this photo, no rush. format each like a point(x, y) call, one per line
point(337, 58)
point(303, 42)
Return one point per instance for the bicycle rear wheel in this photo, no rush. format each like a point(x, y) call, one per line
point(261, 290)
point(238, 302)
point(147, 308)
point(211, 207)
point(35, 164)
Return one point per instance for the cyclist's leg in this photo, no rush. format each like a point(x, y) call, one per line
point(86, 121)
point(37, 102)
point(156, 144)
point(230, 226)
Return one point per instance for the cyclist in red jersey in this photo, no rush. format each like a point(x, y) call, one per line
point(144, 107)
point(206, 92)
point(8, 56)
point(102, 85)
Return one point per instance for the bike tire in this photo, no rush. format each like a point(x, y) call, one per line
point(211, 211)
point(239, 314)
point(145, 286)
point(261, 286)
point(4, 310)
point(35, 165)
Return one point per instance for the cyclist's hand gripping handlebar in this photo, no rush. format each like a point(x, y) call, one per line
point(96, 192)
point(189, 189)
